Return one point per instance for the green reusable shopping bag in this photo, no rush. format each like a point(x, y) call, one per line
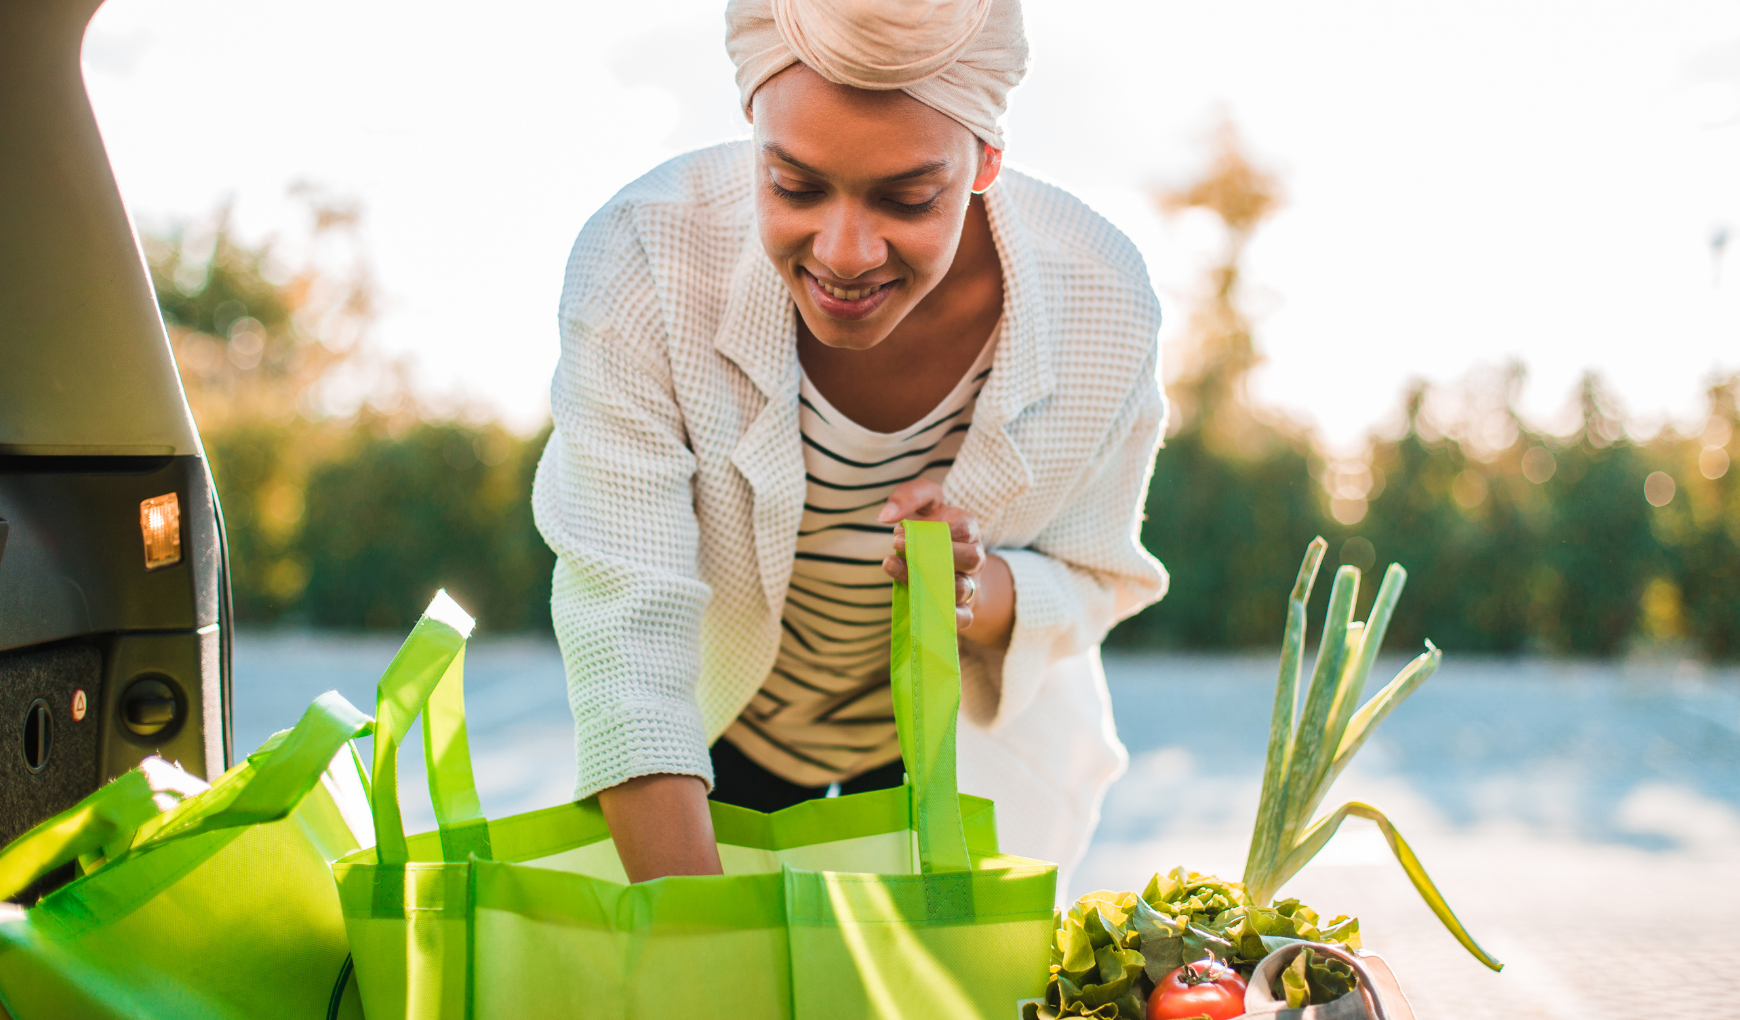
point(195, 902)
point(888, 904)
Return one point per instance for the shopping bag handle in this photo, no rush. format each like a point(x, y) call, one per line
point(925, 673)
point(115, 810)
point(272, 781)
point(157, 802)
point(427, 677)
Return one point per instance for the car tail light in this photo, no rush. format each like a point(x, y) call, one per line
point(160, 523)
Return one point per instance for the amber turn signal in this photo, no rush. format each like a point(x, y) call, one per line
point(160, 524)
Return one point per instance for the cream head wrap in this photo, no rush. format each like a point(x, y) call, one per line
point(959, 57)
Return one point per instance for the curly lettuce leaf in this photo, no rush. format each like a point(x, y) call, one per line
point(1313, 980)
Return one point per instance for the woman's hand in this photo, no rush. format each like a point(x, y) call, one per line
point(984, 588)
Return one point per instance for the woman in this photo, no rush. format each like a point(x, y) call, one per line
point(772, 353)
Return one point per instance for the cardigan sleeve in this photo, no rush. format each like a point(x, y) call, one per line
point(1087, 569)
point(613, 497)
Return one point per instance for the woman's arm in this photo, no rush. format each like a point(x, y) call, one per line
point(1084, 572)
point(661, 827)
point(1086, 569)
point(993, 607)
point(613, 498)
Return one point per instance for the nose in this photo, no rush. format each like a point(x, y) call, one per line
point(848, 243)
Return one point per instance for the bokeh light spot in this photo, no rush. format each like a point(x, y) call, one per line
point(1358, 552)
point(1658, 488)
point(1538, 465)
point(1713, 462)
point(1469, 489)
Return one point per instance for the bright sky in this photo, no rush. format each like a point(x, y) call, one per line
point(1468, 182)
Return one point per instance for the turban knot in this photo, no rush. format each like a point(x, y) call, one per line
point(959, 57)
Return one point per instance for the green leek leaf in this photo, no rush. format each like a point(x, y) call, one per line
point(1319, 834)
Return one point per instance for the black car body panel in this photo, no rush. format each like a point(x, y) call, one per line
point(105, 658)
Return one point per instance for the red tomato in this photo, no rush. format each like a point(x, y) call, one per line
point(1204, 988)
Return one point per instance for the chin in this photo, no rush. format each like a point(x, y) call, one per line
point(856, 337)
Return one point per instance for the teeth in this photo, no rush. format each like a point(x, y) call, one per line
point(848, 295)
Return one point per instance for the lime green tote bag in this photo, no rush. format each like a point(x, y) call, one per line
point(195, 902)
point(888, 904)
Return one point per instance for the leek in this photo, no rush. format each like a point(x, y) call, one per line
point(1309, 746)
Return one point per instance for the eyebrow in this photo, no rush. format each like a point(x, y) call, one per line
point(923, 169)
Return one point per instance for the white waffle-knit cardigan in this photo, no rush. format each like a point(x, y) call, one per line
point(672, 487)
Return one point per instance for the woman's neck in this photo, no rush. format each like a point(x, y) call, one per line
point(903, 378)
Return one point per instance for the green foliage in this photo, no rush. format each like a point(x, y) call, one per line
point(256, 469)
point(445, 506)
point(1556, 566)
point(1533, 542)
point(209, 295)
point(380, 523)
point(340, 519)
point(1577, 562)
point(1700, 538)
point(350, 517)
point(1228, 530)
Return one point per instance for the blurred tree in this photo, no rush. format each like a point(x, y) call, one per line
point(1230, 532)
point(1500, 561)
point(1208, 389)
point(1601, 551)
point(447, 505)
point(1556, 543)
point(1701, 530)
point(345, 505)
point(349, 502)
point(254, 346)
point(1514, 539)
point(1232, 504)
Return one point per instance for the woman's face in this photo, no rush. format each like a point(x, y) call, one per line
point(860, 198)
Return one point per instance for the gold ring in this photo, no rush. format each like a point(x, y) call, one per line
point(972, 589)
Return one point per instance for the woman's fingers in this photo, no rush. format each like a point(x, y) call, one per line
point(921, 500)
point(917, 498)
point(963, 530)
point(966, 588)
point(969, 556)
point(966, 582)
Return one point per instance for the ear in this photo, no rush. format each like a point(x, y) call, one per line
point(990, 165)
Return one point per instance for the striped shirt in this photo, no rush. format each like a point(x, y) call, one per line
point(825, 714)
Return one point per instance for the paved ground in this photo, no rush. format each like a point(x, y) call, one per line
point(1585, 932)
point(1582, 819)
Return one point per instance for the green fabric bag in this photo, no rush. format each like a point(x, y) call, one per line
point(195, 902)
point(888, 904)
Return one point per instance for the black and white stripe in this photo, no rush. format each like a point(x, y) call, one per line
point(825, 713)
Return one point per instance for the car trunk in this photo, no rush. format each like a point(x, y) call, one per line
point(114, 628)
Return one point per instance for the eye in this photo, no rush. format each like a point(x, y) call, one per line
point(916, 208)
point(797, 194)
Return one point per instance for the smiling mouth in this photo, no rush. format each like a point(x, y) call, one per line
point(846, 293)
point(848, 303)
